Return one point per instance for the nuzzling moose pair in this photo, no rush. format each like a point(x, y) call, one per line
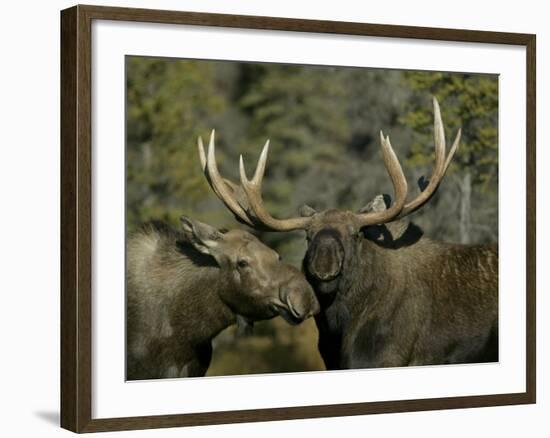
point(382, 294)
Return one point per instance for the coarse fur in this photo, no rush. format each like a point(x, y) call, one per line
point(389, 296)
point(184, 287)
point(400, 298)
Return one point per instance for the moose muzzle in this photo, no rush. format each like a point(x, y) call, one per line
point(297, 300)
point(325, 255)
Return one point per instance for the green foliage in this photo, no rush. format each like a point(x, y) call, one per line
point(469, 101)
point(323, 124)
point(169, 103)
point(302, 112)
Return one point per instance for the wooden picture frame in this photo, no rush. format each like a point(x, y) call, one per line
point(76, 217)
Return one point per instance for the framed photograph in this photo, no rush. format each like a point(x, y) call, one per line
point(268, 218)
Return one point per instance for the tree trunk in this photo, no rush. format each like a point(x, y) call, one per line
point(465, 208)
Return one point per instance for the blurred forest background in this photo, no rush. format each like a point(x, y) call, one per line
point(323, 123)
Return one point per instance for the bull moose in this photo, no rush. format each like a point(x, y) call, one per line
point(184, 287)
point(387, 299)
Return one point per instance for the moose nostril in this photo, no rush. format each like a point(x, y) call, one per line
point(302, 303)
point(292, 308)
point(295, 304)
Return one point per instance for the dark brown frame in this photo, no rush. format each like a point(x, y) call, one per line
point(76, 237)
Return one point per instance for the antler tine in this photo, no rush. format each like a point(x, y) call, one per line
point(242, 171)
point(399, 185)
point(253, 190)
point(440, 166)
point(439, 138)
point(454, 148)
point(202, 155)
point(202, 158)
point(217, 182)
point(260, 168)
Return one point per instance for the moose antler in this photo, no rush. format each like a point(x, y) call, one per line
point(253, 190)
point(441, 163)
point(245, 201)
point(229, 193)
point(399, 187)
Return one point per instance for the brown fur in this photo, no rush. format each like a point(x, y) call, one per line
point(183, 288)
point(403, 301)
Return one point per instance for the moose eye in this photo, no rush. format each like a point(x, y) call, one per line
point(242, 263)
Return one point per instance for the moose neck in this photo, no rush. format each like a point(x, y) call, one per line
point(202, 312)
point(360, 259)
point(373, 279)
point(376, 266)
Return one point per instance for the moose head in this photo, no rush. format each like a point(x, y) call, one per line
point(256, 283)
point(334, 236)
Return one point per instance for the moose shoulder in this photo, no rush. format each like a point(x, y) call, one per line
point(184, 287)
point(394, 298)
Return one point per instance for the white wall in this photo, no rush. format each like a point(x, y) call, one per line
point(29, 218)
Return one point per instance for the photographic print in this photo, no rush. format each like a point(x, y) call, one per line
point(295, 218)
point(267, 218)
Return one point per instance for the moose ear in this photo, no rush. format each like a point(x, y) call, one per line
point(379, 203)
point(307, 211)
point(202, 236)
